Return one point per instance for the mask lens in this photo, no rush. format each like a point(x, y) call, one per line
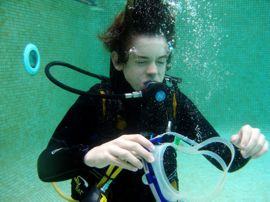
point(170, 167)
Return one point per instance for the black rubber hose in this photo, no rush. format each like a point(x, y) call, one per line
point(74, 90)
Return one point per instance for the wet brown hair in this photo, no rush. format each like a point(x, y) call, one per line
point(140, 17)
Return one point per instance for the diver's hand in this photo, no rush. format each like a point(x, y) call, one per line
point(124, 151)
point(250, 141)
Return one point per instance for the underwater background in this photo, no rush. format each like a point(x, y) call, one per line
point(222, 55)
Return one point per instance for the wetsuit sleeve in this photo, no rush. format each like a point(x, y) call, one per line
point(191, 123)
point(72, 139)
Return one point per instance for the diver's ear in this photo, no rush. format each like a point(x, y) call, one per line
point(115, 60)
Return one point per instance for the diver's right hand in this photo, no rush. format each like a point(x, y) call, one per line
point(125, 151)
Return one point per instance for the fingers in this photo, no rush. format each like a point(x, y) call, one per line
point(255, 144)
point(140, 140)
point(235, 139)
point(245, 134)
point(136, 149)
point(125, 152)
point(126, 156)
point(264, 149)
point(122, 164)
point(251, 141)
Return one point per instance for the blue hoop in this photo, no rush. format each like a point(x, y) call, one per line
point(26, 58)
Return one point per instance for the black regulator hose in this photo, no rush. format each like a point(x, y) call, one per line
point(74, 90)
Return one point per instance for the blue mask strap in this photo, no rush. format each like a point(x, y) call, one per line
point(151, 179)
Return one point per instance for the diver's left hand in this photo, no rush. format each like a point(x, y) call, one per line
point(250, 141)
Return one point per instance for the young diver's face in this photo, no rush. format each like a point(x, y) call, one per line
point(147, 61)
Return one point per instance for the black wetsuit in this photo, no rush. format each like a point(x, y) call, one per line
point(91, 122)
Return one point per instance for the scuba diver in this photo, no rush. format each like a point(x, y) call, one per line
point(100, 131)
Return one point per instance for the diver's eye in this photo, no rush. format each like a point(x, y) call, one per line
point(141, 62)
point(161, 62)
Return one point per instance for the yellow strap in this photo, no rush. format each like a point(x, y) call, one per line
point(174, 105)
point(109, 170)
point(108, 173)
point(57, 189)
point(114, 175)
point(103, 198)
point(105, 178)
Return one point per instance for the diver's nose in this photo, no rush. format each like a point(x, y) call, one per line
point(152, 69)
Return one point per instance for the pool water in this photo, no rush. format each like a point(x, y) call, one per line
point(222, 55)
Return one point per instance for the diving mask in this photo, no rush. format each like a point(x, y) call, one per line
point(161, 175)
